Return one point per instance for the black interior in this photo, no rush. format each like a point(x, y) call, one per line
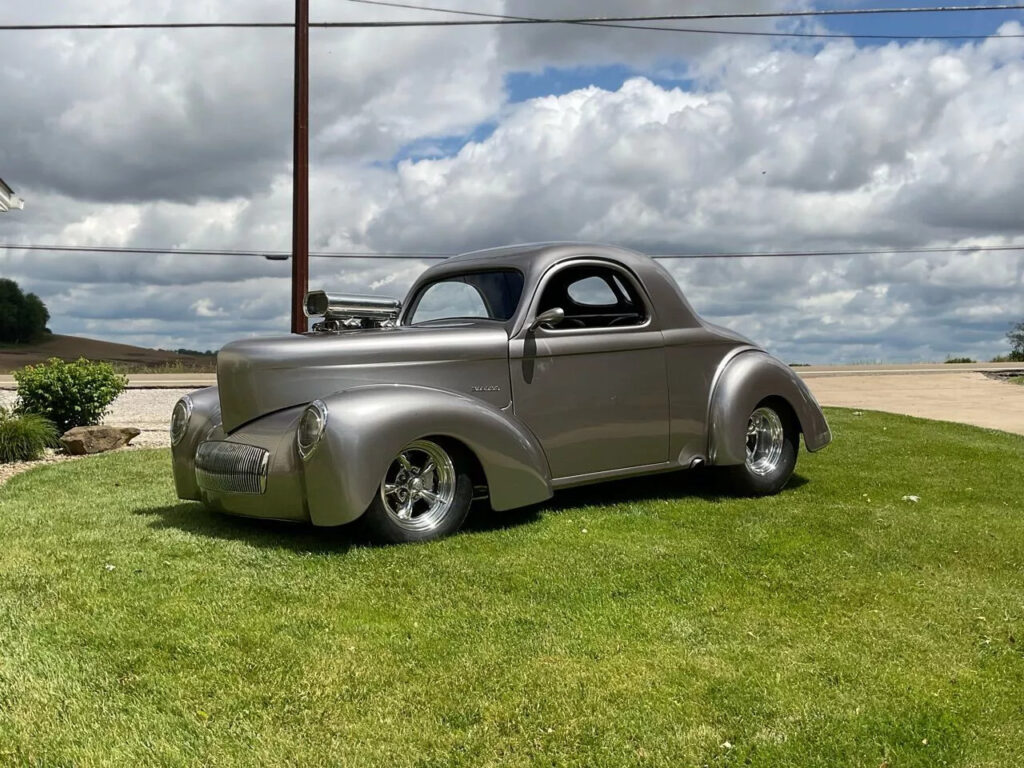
point(627, 308)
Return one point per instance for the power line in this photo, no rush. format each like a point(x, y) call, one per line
point(703, 16)
point(157, 25)
point(490, 19)
point(693, 30)
point(854, 252)
point(429, 256)
point(272, 255)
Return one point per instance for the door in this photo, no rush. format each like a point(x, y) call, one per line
point(592, 387)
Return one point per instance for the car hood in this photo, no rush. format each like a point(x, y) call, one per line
point(259, 376)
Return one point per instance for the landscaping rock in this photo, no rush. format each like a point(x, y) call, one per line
point(81, 440)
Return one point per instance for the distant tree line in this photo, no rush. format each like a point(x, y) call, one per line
point(193, 352)
point(1016, 337)
point(23, 316)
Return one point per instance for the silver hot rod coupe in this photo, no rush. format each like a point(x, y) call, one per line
point(506, 374)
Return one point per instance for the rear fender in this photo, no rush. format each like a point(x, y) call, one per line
point(368, 426)
point(745, 380)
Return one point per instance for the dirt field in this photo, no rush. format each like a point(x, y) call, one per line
point(74, 347)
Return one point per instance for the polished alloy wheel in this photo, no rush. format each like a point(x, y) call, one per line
point(765, 437)
point(418, 490)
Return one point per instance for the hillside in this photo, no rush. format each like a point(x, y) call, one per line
point(124, 356)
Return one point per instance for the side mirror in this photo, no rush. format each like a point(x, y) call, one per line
point(550, 317)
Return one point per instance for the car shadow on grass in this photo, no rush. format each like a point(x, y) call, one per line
point(194, 518)
point(707, 485)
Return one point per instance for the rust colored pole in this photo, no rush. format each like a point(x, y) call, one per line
point(300, 169)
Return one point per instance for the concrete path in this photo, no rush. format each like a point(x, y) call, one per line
point(815, 371)
point(969, 398)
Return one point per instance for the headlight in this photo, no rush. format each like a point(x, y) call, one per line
point(179, 419)
point(311, 427)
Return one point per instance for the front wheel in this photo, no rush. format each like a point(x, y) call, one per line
point(772, 441)
point(425, 494)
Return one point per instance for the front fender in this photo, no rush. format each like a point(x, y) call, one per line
point(205, 417)
point(744, 381)
point(368, 426)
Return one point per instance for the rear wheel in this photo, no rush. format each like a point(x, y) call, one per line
point(425, 494)
point(772, 439)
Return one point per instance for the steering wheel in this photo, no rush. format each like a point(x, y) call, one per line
point(624, 320)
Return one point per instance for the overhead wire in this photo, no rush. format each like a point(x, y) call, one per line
point(435, 255)
point(485, 19)
point(717, 15)
point(705, 30)
point(501, 19)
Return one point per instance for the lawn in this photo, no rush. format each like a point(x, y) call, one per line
point(647, 623)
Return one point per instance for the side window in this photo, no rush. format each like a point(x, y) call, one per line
point(592, 291)
point(450, 299)
point(593, 297)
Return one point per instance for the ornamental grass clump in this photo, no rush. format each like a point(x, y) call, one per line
point(70, 395)
point(23, 437)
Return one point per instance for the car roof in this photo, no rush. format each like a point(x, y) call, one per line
point(535, 259)
point(529, 257)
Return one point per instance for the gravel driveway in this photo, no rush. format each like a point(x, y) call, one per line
point(147, 409)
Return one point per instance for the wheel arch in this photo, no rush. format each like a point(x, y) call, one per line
point(744, 381)
point(368, 426)
point(475, 468)
point(783, 407)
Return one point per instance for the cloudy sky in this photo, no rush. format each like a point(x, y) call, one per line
point(445, 140)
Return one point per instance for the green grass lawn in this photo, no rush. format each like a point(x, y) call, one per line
point(650, 622)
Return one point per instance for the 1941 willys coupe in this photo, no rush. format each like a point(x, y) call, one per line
point(506, 374)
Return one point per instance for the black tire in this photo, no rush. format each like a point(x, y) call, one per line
point(451, 482)
point(769, 466)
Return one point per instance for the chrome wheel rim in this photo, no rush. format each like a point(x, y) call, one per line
point(418, 490)
point(765, 438)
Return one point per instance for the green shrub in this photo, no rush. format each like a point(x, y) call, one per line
point(69, 394)
point(960, 360)
point(24, 436)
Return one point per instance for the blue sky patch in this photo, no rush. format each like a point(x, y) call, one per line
point(964, 23)
point(434, 147)
point(556, 81)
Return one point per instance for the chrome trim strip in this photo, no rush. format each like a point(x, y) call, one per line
point(570, 481)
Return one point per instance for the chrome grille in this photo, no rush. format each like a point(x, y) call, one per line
point(231, 467)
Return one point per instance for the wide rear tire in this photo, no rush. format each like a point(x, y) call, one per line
point(772, 443)
point(425, 494)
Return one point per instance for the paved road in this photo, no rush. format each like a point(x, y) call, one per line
point(945, 392)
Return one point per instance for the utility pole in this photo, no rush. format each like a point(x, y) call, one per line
point(300, 169)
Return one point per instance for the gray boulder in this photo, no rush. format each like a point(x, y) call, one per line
point(79, 441)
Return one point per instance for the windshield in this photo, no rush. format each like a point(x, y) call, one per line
point(492, 295)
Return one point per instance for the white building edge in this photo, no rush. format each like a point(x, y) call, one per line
point(8, 199)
